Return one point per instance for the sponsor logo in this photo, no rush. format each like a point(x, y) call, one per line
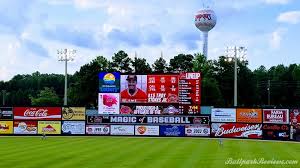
point(109, 100)
point(125, 110)
point(171, 110)
point(222, 131)
point(4, 127)
point(173, 131)
point(276, 127)
point(109, 79)
point(24, 127)
point(252, 114)
point(142, 129)
point(67, 113)
point(48, 128)
point(36, 113)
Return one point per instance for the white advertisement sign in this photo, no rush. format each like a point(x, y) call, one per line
point(122, 129)
point(98, 129)
point(73, 127)
point(197, 130)
point(223, 115)
point(109, 103)
point(146, 130)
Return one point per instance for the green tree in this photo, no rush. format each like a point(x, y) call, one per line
point(122, 62)
point(160, 65)
point(181, 63)
point(141, 66)
point(46, 97)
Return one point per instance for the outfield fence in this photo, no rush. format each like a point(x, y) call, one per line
point(249, 123)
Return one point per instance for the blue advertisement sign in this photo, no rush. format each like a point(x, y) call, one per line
point(109, 82)
point(171, 130)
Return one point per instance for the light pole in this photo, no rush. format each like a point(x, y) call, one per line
point(66, 55)
point(235, 54)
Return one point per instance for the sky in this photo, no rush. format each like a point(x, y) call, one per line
point(32, 31)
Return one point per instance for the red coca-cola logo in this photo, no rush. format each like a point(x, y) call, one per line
point(36, 113)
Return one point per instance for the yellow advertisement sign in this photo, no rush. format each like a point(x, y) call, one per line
point(6, 127)
point(73, 113)
point(49, 127)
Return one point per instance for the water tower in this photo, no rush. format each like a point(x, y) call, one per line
point(205, 20)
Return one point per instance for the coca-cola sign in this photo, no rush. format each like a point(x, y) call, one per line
point(276, 116)
point(236, 130)
point(37, 113)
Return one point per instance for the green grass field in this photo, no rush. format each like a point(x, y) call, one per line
point(125, 152)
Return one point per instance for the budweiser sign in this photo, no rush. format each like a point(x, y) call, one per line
point(37, 113)
point(237, 130)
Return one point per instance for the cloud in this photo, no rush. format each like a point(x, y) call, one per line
point(78, 38)
point(292, 17)
point(35, 48)
point(187, 38)
point(276, 38)
point(277, 1)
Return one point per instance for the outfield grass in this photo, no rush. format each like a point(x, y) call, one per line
point(125, 152)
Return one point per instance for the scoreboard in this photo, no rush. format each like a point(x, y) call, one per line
point(149, 94)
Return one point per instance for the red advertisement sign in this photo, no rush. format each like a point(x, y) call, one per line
point(37, 113)
point(236, 130)
point(162, 88)
point(276, 116)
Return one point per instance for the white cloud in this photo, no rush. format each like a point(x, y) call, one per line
point(292, 17)
point(276, 38)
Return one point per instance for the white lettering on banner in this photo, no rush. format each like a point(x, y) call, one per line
point(123, 119)
point(37, 113)
point(168, 120)
point(274, 116)
point(192, 75)
point(221, 131)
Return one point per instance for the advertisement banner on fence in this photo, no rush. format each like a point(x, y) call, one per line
point(276, 116)
point(244, 115)
point(6, 113)
point(146, 130)
point(139, 119)
point(236, 130)
point(109, 103)
point(49, 127)
point(295, 124)
point(149, 109)
point(6, 127)
point(97, 119)
point(276, 131)
point(98, 129)
point(197, 130)
point(223, 115)
point(73, 127)
point(73, 113)
point(122, 129)
point(25, 127)
point(109, 82)
point(37, 113)
point(171, 130)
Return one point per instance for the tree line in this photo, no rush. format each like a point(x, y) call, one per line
point(278, 85)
